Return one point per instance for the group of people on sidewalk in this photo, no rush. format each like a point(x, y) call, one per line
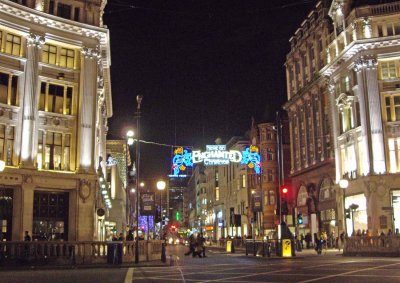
point(197, 246)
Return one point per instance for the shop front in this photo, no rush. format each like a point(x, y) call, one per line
point(6, 213)
point(358, 220)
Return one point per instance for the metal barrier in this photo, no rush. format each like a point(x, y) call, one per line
point(261, 247)
point(372, 246)
point(76, 253)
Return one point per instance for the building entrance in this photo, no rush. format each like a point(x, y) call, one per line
point(50, 216)
point(6, 213)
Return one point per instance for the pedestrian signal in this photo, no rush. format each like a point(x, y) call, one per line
point(299, 219)
point(347, 212)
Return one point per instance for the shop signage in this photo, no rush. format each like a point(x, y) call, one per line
point(216, 155)
point(147, 203)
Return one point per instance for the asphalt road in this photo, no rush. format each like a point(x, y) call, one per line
point(222, 267)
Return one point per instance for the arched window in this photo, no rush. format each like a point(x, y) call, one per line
point(302, 196)
point(326, 190)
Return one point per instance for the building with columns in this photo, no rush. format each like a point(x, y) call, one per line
point(343, 89)
point(55, 98)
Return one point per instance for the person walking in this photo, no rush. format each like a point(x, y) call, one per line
point(201, 241)
point(192, 243)
point(27, 237)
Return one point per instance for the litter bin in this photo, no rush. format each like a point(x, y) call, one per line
point(114, 252)
point(286, 248)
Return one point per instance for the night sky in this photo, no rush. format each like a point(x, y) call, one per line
point(204, 68)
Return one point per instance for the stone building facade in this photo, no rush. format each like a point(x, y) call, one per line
point(343, 79)
point(55, 98)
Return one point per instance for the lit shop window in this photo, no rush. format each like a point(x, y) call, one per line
point(8, 89)
point(60, 56)
point(56, 98)
point(392, 105)
point(388, 70)
point(53, 153)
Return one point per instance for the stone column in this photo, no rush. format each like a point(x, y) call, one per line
point(335, 133)
point(292, 141)
point(87, 93)
point(368, 74)
point(30, 101)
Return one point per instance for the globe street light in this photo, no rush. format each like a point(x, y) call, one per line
point(161, 186)
point(129, 137)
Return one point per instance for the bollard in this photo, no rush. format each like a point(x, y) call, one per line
point(163, 256)
point(254, 247)
point(233, 248)
point(247, 252)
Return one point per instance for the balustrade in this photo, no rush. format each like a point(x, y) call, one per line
point(370, 246)
point(65, 253)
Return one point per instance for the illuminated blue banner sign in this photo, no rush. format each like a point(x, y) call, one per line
point(181, 162)
point(216, 155)
point(252, 158)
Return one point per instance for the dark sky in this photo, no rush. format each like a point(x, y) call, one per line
point(204, 68)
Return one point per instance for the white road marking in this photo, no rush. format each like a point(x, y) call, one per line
point(346, 273)
point(129, 275)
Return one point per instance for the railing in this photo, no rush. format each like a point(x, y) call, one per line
point(75, 253)
point(372, 246)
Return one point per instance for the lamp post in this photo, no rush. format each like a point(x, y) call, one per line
point(344, 184)
point(129, 141)
point(353, 207)
point(161, 188)
point(137, 116)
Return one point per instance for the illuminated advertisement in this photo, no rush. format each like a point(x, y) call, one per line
point(147, 203)
point(252, 158)
point(182, 161)
point(216, 155)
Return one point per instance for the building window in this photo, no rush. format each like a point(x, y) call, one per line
point(76, 14)
point(13, 44)
point(50, 216)
point(393, 29)
point(394, 155)
point(6, 143)
point(56, 98)
point(64, 11)
point(49, 54)
point(271, 197)
point(243, 181)
point(392, 105)
point(8, 89)
point(302, 196)
point(67, 58)
point(388, 70)
point(270, 175)
point(54, 152)
point(270, 154)
point(217, 193)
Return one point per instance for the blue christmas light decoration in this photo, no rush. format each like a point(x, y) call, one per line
point(181, 161)
point(143, 223)
point(251, 157)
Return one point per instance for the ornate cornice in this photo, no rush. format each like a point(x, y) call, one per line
point(91, 53)
point(367, 63)
point(35, 40)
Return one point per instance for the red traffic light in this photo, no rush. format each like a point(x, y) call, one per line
point(284, 190)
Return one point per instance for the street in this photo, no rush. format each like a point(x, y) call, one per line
point(222, 267)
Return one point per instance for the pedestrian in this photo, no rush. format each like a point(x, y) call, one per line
point(192, 243)
point(130, 236)
point(27, 238)
point(308, 240)
point(121, 237)
point(201, 241)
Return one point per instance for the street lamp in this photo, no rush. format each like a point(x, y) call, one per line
point(129, 137)
point(161, 187)
point(353, 207)
point(344, 184)
point(137, 116)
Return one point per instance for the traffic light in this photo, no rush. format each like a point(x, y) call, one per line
point(284, 191)
point(178, 216)
point(299, 219)
point(347, 212)
point(173, 228)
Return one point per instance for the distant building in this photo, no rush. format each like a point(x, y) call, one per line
point(55, 98)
